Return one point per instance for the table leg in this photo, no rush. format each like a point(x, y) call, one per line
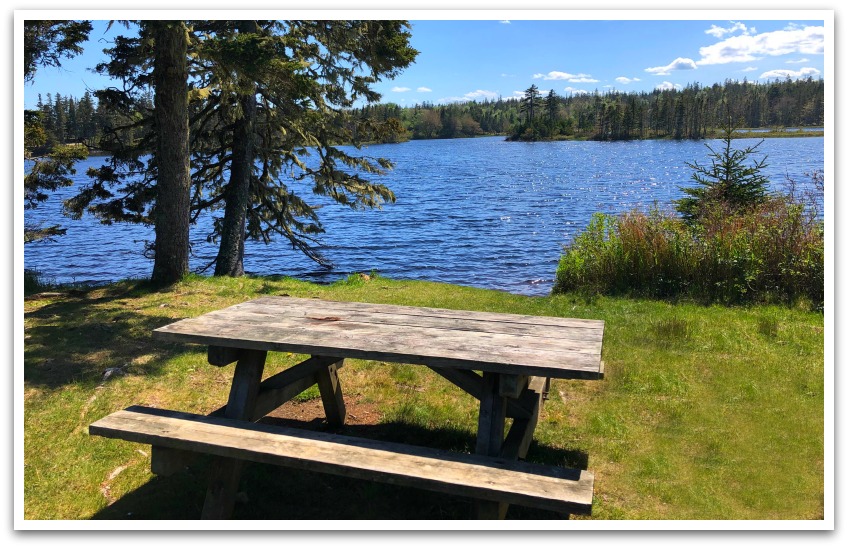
point(490, 437)
point(331, 394)
point(224, 473)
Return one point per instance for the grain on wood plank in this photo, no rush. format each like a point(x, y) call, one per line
point(549, 487)
point(481, 351)
point(313, 313)
point(273, 304)
point(331, 395)
point(246, 322)
point(492, 417)
point(490, 436)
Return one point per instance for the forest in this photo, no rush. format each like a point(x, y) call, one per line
point(689, 113)
point(693, 112)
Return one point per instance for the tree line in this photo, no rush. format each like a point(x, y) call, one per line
point(692, 112)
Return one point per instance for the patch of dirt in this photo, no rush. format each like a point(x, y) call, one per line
point(310, 414)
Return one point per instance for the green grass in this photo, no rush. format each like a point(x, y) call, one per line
point(706, 412)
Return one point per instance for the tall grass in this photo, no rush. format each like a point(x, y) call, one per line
point(773, 253)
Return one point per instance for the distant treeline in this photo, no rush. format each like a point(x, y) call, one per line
point(692, 112)
point(66, 119)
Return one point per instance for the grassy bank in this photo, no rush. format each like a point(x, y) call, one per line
point(705, 412)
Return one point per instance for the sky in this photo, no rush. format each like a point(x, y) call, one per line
point(462, 60)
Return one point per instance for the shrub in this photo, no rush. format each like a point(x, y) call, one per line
point(773, 252)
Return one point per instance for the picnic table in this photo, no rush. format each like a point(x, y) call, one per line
point(506, 361)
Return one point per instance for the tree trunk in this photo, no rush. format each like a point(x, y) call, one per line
point(230, 261)
point(171, 214)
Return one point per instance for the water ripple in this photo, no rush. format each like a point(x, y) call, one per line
point(478, 212)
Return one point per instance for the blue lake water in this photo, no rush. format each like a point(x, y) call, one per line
point(480, 212)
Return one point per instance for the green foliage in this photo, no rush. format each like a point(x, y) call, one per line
point(770, 253)
point(47, 42)
point(730, 183)
point(266, 96)
point(34, 282)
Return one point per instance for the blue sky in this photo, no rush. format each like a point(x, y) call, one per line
point(477, 59)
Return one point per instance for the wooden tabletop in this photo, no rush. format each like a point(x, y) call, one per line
point(500, 343)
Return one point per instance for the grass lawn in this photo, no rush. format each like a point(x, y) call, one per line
point(705, 412)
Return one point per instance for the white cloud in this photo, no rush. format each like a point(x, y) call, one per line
point(786, 73)
point(505, 75)
point(575, 91)
point(626, 80)
point(557, 75)
point(797, 61)
point(506, 22)
point(398, 89)
point(747, 48)
point(422, 89)
point(719, 32)
point(471, 96)
point(681, 63)
point(668, 86)
point(748, 69)
point(482, 93)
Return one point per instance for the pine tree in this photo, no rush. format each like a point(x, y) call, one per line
point(262, 94)
point(729, 183)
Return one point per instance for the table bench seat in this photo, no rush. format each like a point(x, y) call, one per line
point(480, 477)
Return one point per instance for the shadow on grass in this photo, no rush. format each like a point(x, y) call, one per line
point(276, 493)
point(78, 336)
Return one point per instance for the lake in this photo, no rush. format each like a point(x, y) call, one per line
point(482, 212)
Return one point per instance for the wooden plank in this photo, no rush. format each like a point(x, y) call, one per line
point(242, 323)
point(273, 392)
point(552, 488)
point(490, 436)
point(222, 355)
point(331, 395)
point(224, 473)
point(273, 305)
point(511, 386)
point(165, 461)
point(498, 353)
point(312, 312)
point(285, 385)
point(520, 435)
point(469, 381)
point(492, 417)
point(472, 383)
point(541, 336)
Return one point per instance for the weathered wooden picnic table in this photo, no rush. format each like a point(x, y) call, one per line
point(515, 355)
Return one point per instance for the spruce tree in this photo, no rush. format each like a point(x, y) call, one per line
point(731, 182)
